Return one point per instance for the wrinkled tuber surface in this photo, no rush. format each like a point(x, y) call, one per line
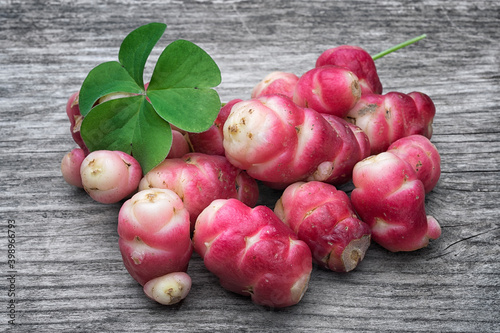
point(323, 217)
point(154, 230)
point(422, 155)
point(276, 141)
point(253, 253)
point(199, 179)
point(356, 60)
point(389, 197)
point(109, 176)
point(387, 118)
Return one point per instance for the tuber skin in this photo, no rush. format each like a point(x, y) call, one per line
point(387, 118)
point(282, 83)
point(427, 111)
point(70, 167)
point(356, 60)
point(211, 141)
point(324, 218)
point(180, 145)
point(198, 179)
point(154, 231)
point(328, 89)
point(390, 198)
point(75, 119)
point(353, 147)
point(276, 141)
point(423, 157)
point(110, 176)
point(168, 289)
point(253, 253)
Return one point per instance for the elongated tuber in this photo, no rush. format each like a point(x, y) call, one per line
point(387, 118)
point(199, 179)
point(253, 253)
point(275, 140)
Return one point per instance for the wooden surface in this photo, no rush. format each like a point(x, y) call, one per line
point(68, 274)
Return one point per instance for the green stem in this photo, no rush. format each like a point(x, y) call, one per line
point(399, 46)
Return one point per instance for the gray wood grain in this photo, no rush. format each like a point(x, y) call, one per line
point(69, 274)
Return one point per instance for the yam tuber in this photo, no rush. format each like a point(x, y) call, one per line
point(109, 176)
point(353, 146)
point(168, 289)
point(356, 60)
point(324, 218)
point(198, 179)
point(328, 89)
point(387, 118)
point(389, 197)
point(154, 231)
point(75, 119)
point(70, 167)
point(282, 83)
point(423, 157)
point(253, 253)
point(275, 140)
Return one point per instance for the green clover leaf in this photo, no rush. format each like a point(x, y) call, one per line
point(180, 93)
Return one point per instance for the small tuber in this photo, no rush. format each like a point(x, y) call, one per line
point(109, 176)
point(154, 234)
point(168, 289)
point(70, 167)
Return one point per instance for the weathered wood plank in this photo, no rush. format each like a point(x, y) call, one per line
point(69, 274)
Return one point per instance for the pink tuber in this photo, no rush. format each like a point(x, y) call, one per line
point(277, 82)
point(328, 89)
point(279, 142)
point(199, 179)
point(168, 289)
point(387, 118)
point(75, 119)
point(352, 146)
point(110, 176)
point(323, 217)
point(70, 167)
point(154, 231)
point(275, 140)
point(356, 60)
point(253, 253)
point(422, 155)
point(389, 197)
point(180, 145)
